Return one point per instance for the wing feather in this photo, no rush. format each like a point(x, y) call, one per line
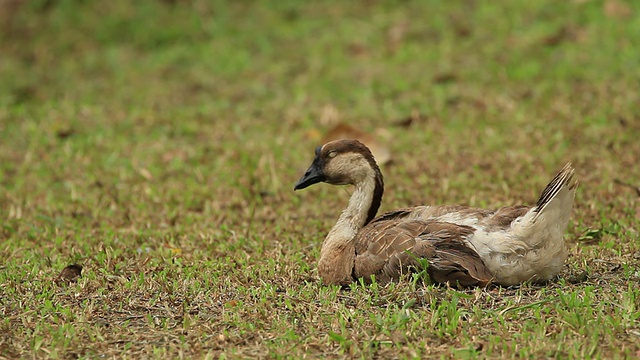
point(388, 248)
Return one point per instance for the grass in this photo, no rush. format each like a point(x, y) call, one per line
point(157, 144)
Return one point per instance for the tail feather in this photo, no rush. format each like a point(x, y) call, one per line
point(534, 247)
point(540, 235)
point(552, 211)
point(564, 179)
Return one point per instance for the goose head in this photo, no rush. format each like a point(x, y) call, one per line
point(341, 162)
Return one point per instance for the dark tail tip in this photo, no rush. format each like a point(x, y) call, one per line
point(562, 179)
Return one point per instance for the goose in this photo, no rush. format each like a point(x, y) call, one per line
point(462, 246)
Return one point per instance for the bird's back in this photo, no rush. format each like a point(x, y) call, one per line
point(471, 246)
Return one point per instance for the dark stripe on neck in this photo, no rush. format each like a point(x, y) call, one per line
point(376, 199)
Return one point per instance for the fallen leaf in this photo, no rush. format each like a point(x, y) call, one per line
point(445, 77)
point(409, 120)
point(558, 37)
point(357, 50)
point(616, 9)
point(623, 122)
point(70, 274)
point(64, 133)
point(145, 174)
point(344, 131)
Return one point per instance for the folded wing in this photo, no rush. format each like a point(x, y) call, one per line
point(390, 246)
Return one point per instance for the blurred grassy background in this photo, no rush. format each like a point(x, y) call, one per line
point(157, 143)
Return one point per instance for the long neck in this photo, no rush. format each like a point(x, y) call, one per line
point(338, 252)
point(363, 204)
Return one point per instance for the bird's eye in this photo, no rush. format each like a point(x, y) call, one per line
point(332, 154)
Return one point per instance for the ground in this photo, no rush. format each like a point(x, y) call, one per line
point(156, 143)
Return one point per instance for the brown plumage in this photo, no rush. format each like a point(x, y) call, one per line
point(388, 249)
point(463, 246)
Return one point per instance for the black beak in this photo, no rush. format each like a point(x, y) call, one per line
point(313, 175)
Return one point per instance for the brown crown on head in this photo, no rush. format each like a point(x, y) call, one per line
point(348, 146)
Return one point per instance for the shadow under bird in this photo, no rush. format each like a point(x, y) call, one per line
point(463, 246)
